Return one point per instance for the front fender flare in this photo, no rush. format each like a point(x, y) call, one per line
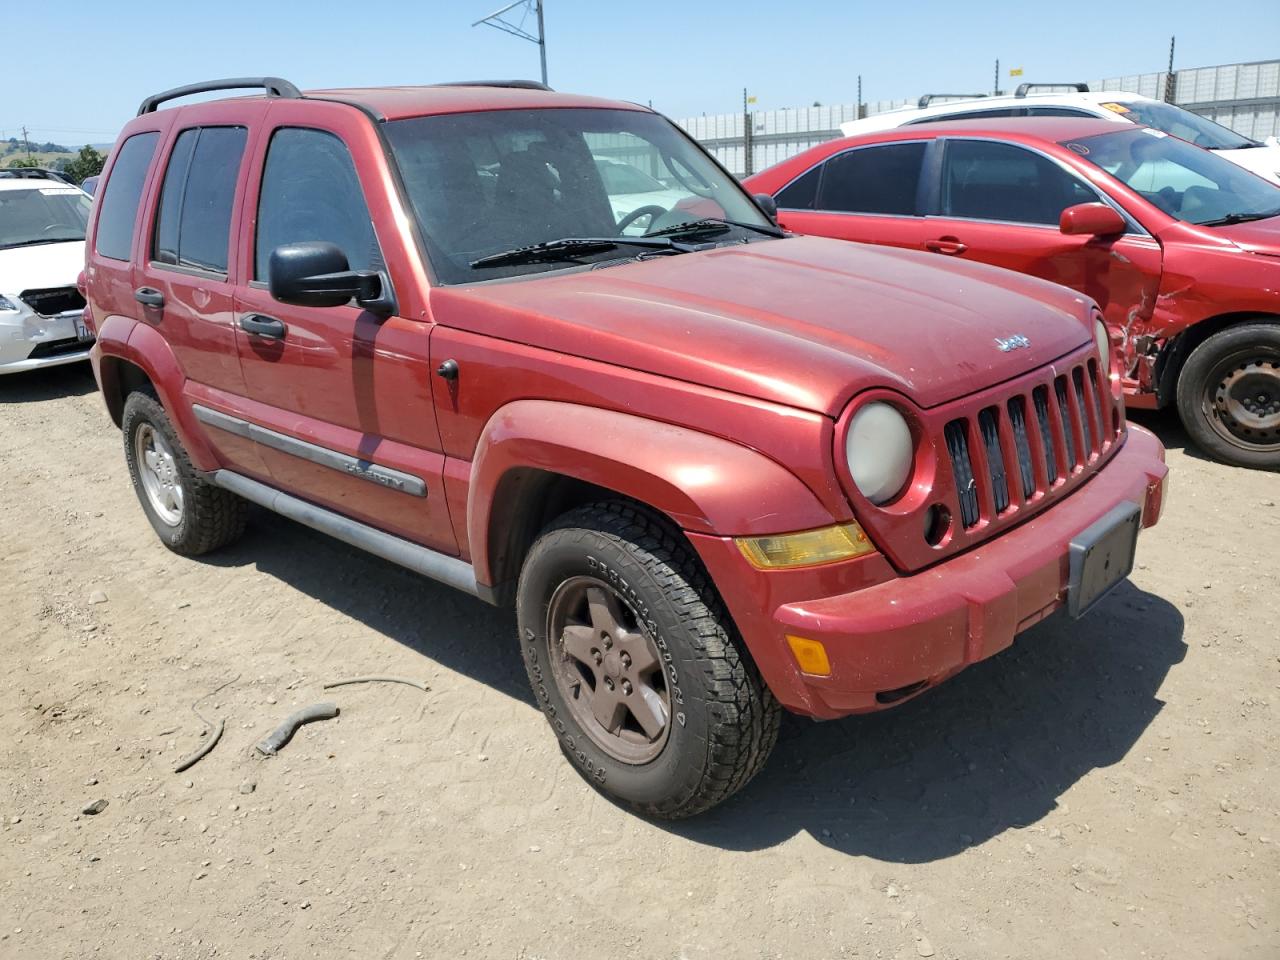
point(703, 483)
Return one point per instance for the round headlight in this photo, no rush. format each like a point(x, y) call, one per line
point(1104, 344)
point(879, 451)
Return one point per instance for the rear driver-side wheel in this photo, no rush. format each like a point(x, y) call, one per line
point(636, 664)
point(188, 513)
point(1229, 395)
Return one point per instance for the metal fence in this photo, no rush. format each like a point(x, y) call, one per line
point(1242, 96)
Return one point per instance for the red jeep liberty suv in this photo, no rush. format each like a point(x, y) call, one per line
point(717, 469)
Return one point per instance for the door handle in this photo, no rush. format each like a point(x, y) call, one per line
point(149, 297)
point(947, 245)
point(260, 326)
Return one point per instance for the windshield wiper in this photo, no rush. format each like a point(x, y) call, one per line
point(714, 225)
point(570, 248)
point(1231, 218)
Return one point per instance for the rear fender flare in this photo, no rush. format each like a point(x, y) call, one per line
point(146, 349)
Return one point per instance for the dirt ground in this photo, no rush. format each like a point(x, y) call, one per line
point(1106, 788)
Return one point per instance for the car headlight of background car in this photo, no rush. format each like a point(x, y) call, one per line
point(9, 304)
point(880, 451)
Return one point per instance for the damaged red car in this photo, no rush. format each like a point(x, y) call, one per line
point(1179, 247)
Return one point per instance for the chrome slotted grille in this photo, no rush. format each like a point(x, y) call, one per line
point(1071, 431)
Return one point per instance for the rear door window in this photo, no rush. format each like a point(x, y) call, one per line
point(122, 194)
point(193, 225)
point(310, 191)
point(985, 180)
point(881, 179)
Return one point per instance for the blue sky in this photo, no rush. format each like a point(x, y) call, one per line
point(688, 58)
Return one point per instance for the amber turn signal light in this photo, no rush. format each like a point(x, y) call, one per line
point(811, 656)
point(807, 548)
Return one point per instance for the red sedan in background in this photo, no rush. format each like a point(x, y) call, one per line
point(1180, 248)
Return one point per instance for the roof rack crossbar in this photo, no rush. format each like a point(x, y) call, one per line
point(1025, 88)
point(517, 84)
point(274, 86)
point(929, 97)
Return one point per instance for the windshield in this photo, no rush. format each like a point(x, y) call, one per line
point(484, 183)
point(49, 214)
point(1181, 123)
point(1183, 181)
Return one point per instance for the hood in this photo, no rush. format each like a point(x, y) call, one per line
point(1259, 236)
point(807, 321)
point(40, 266)
point(1263, 160)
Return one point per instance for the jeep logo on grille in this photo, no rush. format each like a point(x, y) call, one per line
point(1015, 342)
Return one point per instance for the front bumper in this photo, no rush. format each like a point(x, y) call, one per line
point(29, 341)
point(894, 638)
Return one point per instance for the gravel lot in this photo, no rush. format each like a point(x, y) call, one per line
point(1106, 788)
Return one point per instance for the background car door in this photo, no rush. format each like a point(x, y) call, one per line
point(867, 193)
point(343, 393)
point(1000, 203)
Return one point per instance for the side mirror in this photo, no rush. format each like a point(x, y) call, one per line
point(766, 203)
point(316, 274)
point(1091, 219)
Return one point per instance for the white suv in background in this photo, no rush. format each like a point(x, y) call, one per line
point(1260, 158)
point(42, 224)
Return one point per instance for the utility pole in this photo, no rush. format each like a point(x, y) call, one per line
point(746, 136)
point(995, 87)
point(1170, 78)
point(861, 112)
point(26, 142)
point(517, 29)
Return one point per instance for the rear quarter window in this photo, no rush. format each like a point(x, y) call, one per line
point(122, 194)
point(800, 193)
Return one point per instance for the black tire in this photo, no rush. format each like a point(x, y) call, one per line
point(209, 517)
point(723, 720)
point(1210, 402)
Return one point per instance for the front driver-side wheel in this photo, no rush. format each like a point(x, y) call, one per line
point(189, 514)
point(637, 665)
point(1229, 395)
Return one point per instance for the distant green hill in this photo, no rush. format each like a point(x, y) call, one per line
point(15, 145)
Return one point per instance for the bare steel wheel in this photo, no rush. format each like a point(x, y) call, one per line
point(158, 471)
point(1246, 400)
point(1229, 395)
point(608, 670)
point(188, 513)
point(636, 663)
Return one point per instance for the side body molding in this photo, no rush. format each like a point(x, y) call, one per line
point(705, 484)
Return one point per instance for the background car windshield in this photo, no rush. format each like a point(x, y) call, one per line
point(1183, 181)
point(622, 178)
point(42, 215)
point(1182, 123)
point(483, 183)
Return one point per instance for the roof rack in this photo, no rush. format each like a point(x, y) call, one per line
point(929, 97)
point(1025, 88)
point(516, 84)
point(274, 86)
